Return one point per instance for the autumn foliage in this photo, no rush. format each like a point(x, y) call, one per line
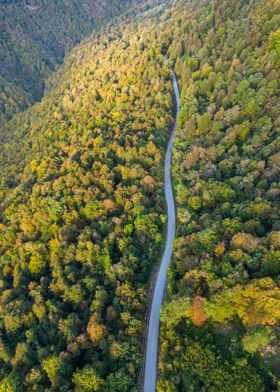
point(198, 314)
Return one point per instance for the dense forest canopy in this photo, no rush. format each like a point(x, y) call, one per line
point(220, 328)
point(82, 218)
point(34, 38)
point(82, 199)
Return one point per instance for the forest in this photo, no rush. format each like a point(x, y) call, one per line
point(82, 219)
point(220, 322)
point(36, 35)
point(83, 214)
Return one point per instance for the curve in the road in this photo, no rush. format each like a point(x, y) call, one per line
point(150, 375)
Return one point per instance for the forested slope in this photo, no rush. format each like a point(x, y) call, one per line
point(82, 218)
point(82, 206)
point(34, 38)
point(220, 324)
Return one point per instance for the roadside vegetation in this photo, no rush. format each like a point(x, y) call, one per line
point(82, 203)
point(220, 323)
point(82, 218)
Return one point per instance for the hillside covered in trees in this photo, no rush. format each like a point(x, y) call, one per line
point(35, 35)
point(220, 323)
point(82, 201)
point(82, 219)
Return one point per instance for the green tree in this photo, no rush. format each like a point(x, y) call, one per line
point(87, 380)
point(256, 339)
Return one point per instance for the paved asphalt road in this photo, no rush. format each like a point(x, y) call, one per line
point(150, 376)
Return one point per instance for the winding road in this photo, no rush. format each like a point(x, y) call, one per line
point(150, 376)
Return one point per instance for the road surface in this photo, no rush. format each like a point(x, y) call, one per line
point(150, 376)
